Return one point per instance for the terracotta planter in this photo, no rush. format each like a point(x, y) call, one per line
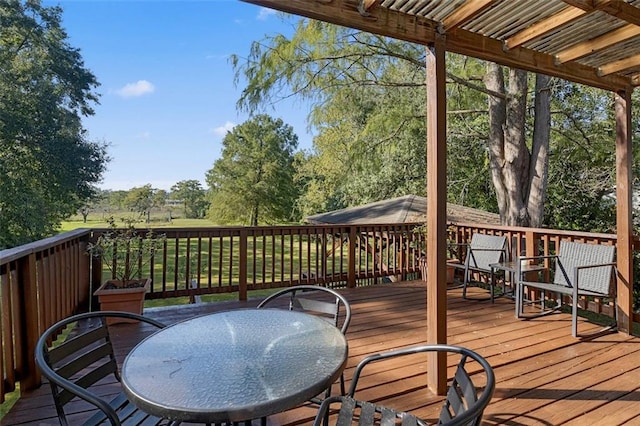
point(450, 269)
point(114, 296)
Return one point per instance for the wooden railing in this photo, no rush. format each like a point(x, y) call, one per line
point(50, 279)
point(40, 283)
point(198, 261)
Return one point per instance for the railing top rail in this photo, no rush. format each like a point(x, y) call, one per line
point(513, 229)
point(9, 255)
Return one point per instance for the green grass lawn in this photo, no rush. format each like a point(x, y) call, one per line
point(98, 222)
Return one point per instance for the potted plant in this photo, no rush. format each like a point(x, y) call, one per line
point(421, 231)
point(126, 252)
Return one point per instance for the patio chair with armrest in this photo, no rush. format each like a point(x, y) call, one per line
point(79, 364)
point(464, 403)
point(580, 269)
point(335, 308)
point(483, 251)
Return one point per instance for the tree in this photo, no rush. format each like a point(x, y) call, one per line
point(253, 181)
point(48, 167)
point(141, 200)
point(368, 97)
point(519, 175)
point(193, 197)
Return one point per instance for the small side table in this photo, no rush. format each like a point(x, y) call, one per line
point(512, 268)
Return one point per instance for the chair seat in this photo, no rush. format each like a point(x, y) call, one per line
point(83, 358)
point(366, 413)
point(559, 288)
point(128, 413)
point(464, 404)
point(583, 268)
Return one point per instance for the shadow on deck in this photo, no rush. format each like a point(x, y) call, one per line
point(544, 376)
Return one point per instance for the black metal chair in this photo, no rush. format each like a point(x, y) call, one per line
point(324, 302)
point(464, 403)
point(83, 357)
point(482, 252)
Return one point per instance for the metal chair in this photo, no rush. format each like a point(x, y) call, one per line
point(464, 403)
point(482, 252)
point(580, 269)
point(334, 308)
point(82, 359)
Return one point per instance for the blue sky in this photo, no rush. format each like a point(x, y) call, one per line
point(167, 91)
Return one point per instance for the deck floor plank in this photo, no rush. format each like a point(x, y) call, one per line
point(544, 376)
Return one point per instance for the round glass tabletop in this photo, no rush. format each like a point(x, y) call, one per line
point(234, 365)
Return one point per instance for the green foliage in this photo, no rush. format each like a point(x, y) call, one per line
point(47, 165)
point(193, 196)
point(141, 199)
point(582, 160)
point(125, 251)
point(368, 97)
point(253, 181)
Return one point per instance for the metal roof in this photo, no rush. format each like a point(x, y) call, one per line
point(594, 42)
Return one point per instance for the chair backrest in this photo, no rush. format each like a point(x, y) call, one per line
point(464, 403)
point(322, 301)
point(572, 254)
point(76, 353)
point(485, 250)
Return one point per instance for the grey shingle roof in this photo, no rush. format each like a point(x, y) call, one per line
point(405, 209)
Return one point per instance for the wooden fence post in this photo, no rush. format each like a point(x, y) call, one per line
point(351, 262)
point(242, 272)
point(30, 319)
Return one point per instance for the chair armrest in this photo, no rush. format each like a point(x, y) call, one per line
point(577, 269)
point(548, 256)
point(599, 265)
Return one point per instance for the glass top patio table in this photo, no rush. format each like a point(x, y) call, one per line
point(234, 365)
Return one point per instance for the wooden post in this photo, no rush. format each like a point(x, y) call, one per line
point(351, 257)
point(624, 216)
point(436, 214)
point(242, 266)
point(30, 319)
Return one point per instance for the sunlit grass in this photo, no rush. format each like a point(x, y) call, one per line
point(70, 225)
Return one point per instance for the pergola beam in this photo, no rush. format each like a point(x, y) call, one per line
point(415, 29)
point(465, 13)
point(599, 43)
point(620, 65)
point(545, 26)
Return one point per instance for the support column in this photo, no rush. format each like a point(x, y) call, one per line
point(624, 211)
point(436, 213)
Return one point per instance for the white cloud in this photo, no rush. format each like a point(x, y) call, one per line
point(264, 13)
point(144, 135)
point(139, 88)
point(222, 130)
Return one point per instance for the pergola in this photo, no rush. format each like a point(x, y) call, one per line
point(593, 42)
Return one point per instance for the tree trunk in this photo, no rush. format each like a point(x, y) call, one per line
point(519, 178)
point(494, 81)
point(539, 171)
point(516, 154)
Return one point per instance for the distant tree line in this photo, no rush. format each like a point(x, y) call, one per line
point(187, 195)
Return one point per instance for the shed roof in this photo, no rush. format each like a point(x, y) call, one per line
point(405, 209)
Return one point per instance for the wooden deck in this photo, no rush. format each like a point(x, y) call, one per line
point(544, 376)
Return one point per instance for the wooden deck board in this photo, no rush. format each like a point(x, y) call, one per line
point(544, 376)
